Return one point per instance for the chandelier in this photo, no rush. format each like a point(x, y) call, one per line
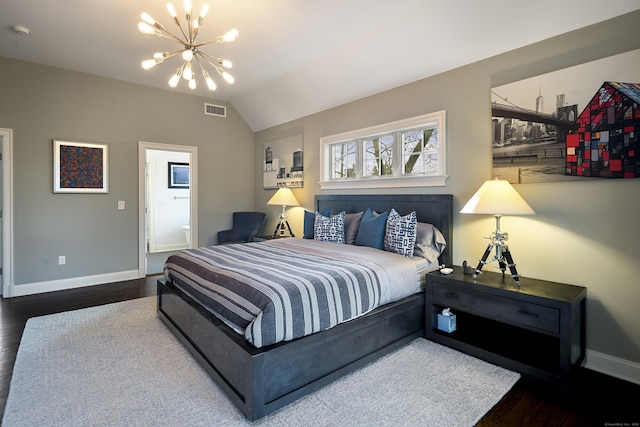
point(191, 52)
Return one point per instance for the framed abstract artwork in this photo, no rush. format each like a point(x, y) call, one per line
point(80, 167)
point(178, 175)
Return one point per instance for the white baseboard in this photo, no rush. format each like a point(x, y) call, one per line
point(73, 282)
point(613, 366)
point(170, 247)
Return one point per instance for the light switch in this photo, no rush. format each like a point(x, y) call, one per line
point(121, 204)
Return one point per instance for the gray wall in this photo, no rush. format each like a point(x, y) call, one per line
point(584, 233)
point(42, 103)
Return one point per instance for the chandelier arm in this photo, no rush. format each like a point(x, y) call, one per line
point(188, 24)
point(177, 21)
point(168, 35)
point(180, 71)
point(198, 61)
point(208, 57)
point(172, 54)
point(207, 78)
point(160, 31)
point(196, 29)
point(216, 66)
point(204, 72)
point(216, 40)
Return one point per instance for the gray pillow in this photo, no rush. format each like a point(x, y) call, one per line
point(430, 242)
point(351, 226)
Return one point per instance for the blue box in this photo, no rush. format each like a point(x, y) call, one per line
point(447, 323)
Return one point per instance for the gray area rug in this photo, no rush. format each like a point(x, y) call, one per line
point(118, 365)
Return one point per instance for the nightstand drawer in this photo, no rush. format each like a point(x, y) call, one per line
point(498, 308)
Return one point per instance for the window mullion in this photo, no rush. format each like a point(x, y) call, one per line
point(397, 154)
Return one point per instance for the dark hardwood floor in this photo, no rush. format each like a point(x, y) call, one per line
point(596, 399)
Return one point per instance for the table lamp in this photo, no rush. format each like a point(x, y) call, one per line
point(497, 197)
point(284, 197)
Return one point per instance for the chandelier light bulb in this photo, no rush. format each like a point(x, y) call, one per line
point(204, 10)
point(187, 6)
point(230, 35)
point(228, 77)
point(192, 84)
point(211, 84)
point(173, 81)
point(147, 18)
point(187, 74)
point(187, 55)
point(145, 28)
point(226, 63)
point(172, 10)
point(148, 64)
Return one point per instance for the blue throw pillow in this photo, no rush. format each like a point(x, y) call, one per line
point(309, 221)
point(372, 229)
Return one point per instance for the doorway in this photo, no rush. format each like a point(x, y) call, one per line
point(6, 212)
point(168, 212)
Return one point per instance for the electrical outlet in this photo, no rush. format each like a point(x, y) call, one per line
point(62, 260)
point(121, 205)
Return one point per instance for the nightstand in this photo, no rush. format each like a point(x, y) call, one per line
point(537, 329)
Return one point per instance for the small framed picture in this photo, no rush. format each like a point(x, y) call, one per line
point(178, 175)
point(80, 167)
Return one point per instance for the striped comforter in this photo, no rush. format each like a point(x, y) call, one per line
point(284, 289)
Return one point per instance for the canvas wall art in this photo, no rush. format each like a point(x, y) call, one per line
point(577, 123)
point(283, 163)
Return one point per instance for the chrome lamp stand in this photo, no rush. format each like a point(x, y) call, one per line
point(503, 255)
point(282, 226)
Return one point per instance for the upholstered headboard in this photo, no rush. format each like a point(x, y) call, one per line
point(436, 209)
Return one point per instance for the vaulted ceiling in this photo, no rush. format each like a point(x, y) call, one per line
point(292, 57)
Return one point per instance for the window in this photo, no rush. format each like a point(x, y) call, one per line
point(406, 153)
point(378, 156)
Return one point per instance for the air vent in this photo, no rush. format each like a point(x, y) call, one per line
point(215, 110)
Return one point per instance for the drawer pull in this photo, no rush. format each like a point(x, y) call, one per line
point(528, 313)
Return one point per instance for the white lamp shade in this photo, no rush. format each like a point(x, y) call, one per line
point(497, 197)
point(283, 197)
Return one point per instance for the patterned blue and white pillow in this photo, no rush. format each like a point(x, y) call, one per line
point(329, 229)
point(400, 234)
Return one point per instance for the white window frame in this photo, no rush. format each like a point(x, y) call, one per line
point(436, 119)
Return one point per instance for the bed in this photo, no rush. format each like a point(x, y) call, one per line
point(260, 380)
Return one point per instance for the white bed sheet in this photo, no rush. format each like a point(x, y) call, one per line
point(405, 275)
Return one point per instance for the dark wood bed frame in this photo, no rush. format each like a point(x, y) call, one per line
point(262, 380)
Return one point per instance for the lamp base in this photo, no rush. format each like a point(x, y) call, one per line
point(281, 228)
point(504, 258)
point(503, 254)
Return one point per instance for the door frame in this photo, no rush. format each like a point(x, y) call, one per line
point(7, 212)
point(143, 146)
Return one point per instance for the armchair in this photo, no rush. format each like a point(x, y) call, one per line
point(245, 226)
